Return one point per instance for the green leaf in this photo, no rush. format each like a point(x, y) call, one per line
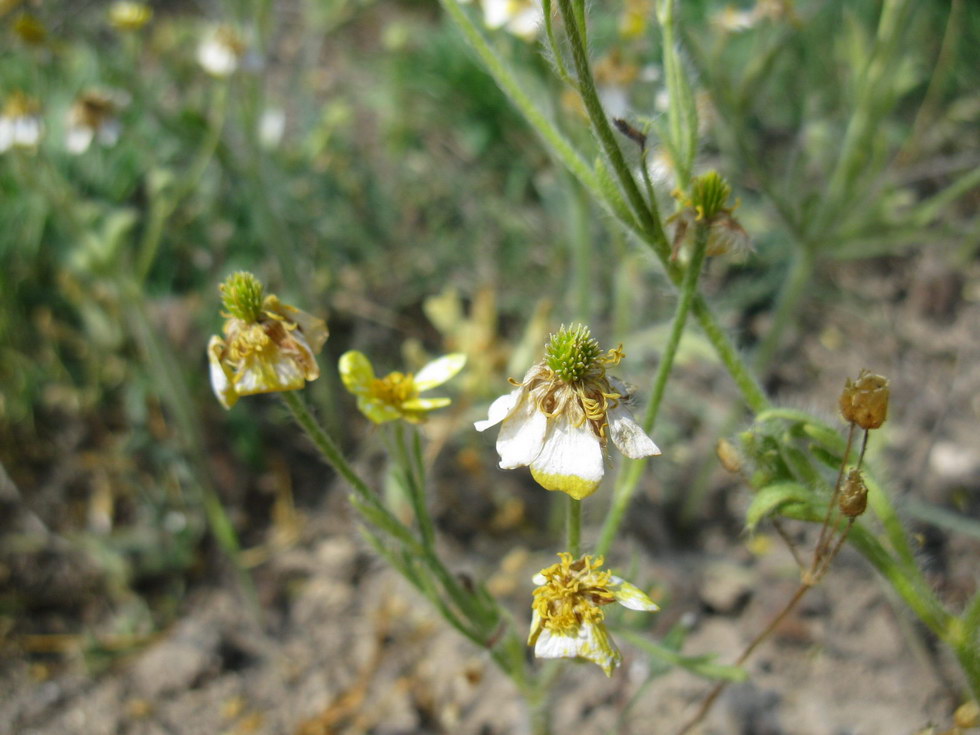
point(769, 499)
point(701, 665)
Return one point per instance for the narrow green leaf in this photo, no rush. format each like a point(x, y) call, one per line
point(700, 665)
point(769, 499)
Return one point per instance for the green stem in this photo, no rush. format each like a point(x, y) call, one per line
point(326, 445)
point(751, 391)
point(415, 481)
point(649, 229)
point(633, 469)
point(573, 527)
point(583, 266)
point(647, 215)
point(508, 83)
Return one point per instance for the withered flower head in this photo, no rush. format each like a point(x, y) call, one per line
point(854, 495)
point(865, 401)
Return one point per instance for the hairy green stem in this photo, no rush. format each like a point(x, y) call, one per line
point(633, 469)
point(647, 214)
point(573, 527)
point(649, 230)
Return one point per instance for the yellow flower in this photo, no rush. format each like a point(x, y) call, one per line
point(560, 417)
point(30, 30)
point(396, 396)
point(567, 615)
point(129, 16)
point(268, 346)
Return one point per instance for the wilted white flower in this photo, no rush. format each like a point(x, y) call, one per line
point(567, 615)
point(560, 417)
point(268, 346)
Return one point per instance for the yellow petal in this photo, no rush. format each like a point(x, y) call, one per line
point(439, 371)
point(378, 411)
point(425, 404)
point(268, 372)
point(356, 372)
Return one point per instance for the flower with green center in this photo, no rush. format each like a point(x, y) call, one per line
point(396, 396)
point(567, 615)
point(707, 202)
point(268, 346)
point(560, 417)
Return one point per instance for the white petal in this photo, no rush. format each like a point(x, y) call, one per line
point(272, 125)
point(591, 642)
point(78, 138)
point(27, 131)
point(496, 12)
point(6, 133)
point(570, 459)
point(521, 435)
point(499, 410)
point(439, 371)
point(217, 58)
point(539, 579)
point(220, 379)
point(631, 596)
point(628, 435)
point(526, 23)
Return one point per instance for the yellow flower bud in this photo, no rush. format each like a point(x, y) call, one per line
point(865, 401)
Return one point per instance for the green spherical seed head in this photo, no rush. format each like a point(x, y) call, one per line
point(241, 294)
point(572, 352)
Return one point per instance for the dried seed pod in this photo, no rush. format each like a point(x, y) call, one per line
point(854, 495)
point(865, 401)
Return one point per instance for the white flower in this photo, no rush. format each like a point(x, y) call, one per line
point(93, 117)
point(20, 124)
point(221, 51)
point(561, 416)
point(523, 18)
point(567, 615)
point(272, 125)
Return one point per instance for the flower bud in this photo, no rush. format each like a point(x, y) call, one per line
point(729, 456)
point(865, 401)
point(854, 496)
